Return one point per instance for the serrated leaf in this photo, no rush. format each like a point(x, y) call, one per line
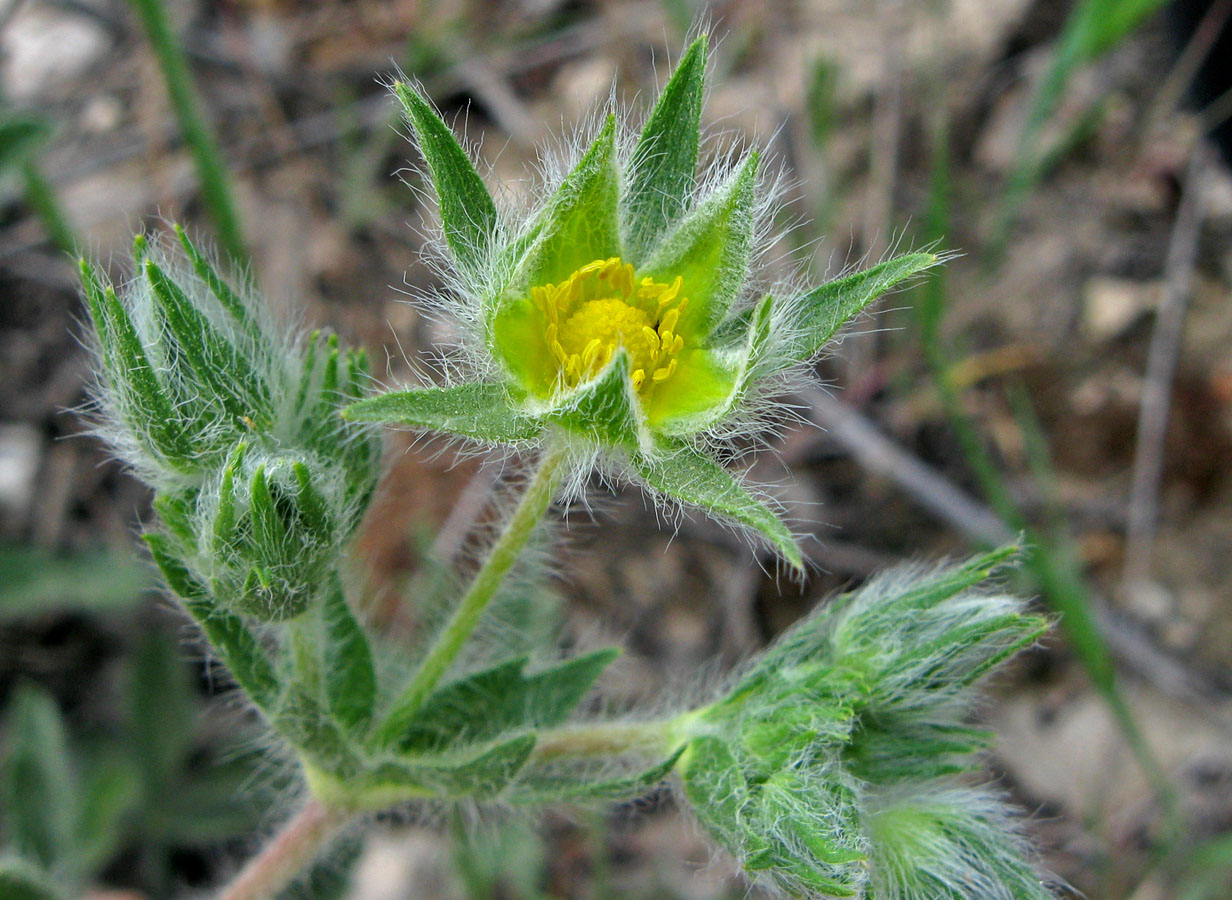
point(480, 411)
point(20, 880)
point(450, 775)
point(580, 223)
point(40, 790)
point(161, 710)
point(663, 168)
point(468, 214)
point(709, 250)
point(684, 474)
point(500, 699)
point(231, 639)
point(825, 309)
point(565, 786)
point(605, 409)
point(350, 681)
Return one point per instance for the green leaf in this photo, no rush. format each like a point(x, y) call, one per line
point(480, 706)
point(36, 582)
point(350, 681)
point(482, 774)
point(468, 214)
point(221, 368)
point(234, 643)
point(605, 409)
point(479, 411)
point(663, 168)
point(20, 880)
point(110, 792)
point(162, 710)
point(580, 223)
point(19, 138)
point(300, 719)
point(824, 310)
point(40, 790)
point(710, 250)
point(693, 478)
point(566, 786)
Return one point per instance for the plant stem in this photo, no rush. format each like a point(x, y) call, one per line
point(215, 187)
point(42, 199)
point(453, 636)
point(299, 842)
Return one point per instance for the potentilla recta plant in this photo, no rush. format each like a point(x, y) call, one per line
point(619, 323)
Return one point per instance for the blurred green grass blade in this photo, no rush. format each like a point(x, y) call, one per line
point(20, 880)
point(34, 581)
point(20, 137)
point(1208, 871)
point(1093, 27)
point(110, 793)
point(1058, 578)
point(215, 184)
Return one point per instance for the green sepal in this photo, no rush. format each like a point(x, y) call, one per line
point(223, 371)
point(479, 411)
point(132, 376)
point(350, 680)
point(568, 786)
point(222, 291)
point(39, 789)
point(311, 504)
point(687, 475)
point(21, 880)
point(468, 214)
point(824, 310)
point(709, 250)
point(605, 409)
point(175, 512)
point(500, 699)
point(448, 775)
point(663, 167)
point(580, 223)
point(231, 639)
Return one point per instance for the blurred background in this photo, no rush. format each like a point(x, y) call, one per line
point(1067, 376)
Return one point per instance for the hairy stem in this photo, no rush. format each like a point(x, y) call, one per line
point(289, 853)
point(453, 636)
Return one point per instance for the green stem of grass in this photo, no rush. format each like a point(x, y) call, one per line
point(215, 185)
point(42, 200)
point(465, 618)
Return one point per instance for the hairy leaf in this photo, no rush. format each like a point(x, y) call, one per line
point(479, 411)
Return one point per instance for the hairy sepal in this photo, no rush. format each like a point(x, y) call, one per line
point(604, 410)
point(479, 411)
point(468, 215)
point(710, 251)
point(819, 314)
point(689, 476)
point(661, 172)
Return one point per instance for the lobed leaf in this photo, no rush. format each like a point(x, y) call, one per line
point(693, 478)
point(497, 700)
point(479, 411)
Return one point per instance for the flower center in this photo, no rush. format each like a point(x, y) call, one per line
point(601, 307)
